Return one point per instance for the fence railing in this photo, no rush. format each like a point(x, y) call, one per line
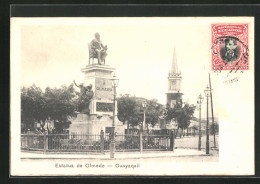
point(76, 142)
point(95, 143)
point(189, 132)
point(157, 142)
point(126, 142)
point(32, 141)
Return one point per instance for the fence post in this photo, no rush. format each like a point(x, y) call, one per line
point(27, 139)
point(141, 141)
point(172, 140)
point(45, 142)
point(102, 141)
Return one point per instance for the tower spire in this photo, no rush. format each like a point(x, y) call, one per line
point(174, 94)
point(174, 63)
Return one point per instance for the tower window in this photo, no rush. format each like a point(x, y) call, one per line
point(173, 85)
point(173, 102)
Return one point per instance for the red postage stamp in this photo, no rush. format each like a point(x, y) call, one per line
point(229, 49)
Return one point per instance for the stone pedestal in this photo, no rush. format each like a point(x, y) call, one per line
point(101, 105)
point(81, 125)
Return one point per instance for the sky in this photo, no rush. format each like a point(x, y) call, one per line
point(53, 50)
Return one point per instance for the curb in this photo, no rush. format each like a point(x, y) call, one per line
point(135, 157)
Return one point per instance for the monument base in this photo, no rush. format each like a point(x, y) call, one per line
point(101, 105)
point(93, 124)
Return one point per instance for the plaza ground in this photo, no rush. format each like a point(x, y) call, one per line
point(192, 142)
point(213, 157)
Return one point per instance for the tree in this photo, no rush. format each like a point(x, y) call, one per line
point(61, 104)
point(127, 110)
point(32, 107)
point(57, 104)
point(152, 112)
point(130, 110)
point(182, 115)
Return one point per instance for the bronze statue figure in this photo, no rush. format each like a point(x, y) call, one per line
point(97, 50)
point(85, 95)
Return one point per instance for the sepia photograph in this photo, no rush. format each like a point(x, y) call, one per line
point(128, 96)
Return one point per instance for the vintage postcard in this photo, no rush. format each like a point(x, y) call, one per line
point(132, 96)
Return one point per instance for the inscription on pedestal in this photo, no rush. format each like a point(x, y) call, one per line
point(103, 88)
point(104, 107)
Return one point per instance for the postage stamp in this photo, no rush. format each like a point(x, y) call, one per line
point(229, 49)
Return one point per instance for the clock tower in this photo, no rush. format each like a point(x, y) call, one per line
point(174, 94)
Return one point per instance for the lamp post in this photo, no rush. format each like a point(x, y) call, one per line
point(207, 94)
point(212, 114)
point(144, 106)
point(141, 129)
point(200, 100)
point(115, 82)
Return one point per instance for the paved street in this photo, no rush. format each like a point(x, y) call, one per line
point(211, 158)
point(192, 142)
point(179, 155)
point(118, 155)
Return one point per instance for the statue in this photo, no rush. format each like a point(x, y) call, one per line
point(86, 94)
point(97, 50)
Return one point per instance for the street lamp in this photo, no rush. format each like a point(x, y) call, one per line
point(141, 129)
point(144, 106)
point(207, 94)
point(200, 100)
point(212, 114)
point(115, 82)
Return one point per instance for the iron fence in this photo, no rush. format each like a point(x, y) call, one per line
point(189, 132)
point(73, 142)
point(95, 143)
point(131, 142)
point(156, 142)
point(127, 142)
point(32, 141)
